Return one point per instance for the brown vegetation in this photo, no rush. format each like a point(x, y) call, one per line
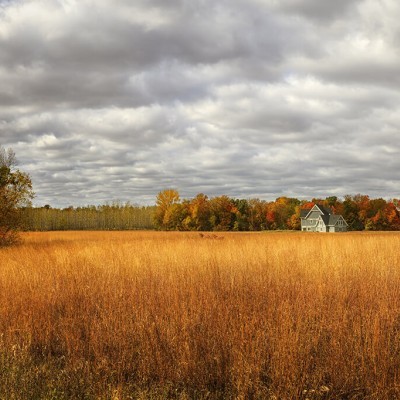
point(171, 315)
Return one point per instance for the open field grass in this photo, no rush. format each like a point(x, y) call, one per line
point(155, 315)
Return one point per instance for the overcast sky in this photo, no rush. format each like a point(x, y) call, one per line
point(119, 99)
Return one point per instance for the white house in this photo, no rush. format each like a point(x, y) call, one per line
point(321, 219)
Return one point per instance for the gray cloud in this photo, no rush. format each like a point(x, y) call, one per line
point(105, 100)
point(316, 10)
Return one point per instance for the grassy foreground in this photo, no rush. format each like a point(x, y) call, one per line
point(154, 315)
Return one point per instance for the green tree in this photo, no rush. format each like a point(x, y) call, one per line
point(331, 201)
point(15, 192)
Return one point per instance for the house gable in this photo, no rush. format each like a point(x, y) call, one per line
point(317, 209)
point(321, 219)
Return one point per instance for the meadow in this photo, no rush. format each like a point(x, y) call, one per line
point(174, 315)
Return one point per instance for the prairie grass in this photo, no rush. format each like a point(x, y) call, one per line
point(169, 315)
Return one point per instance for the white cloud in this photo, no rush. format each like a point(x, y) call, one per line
point(246, 98)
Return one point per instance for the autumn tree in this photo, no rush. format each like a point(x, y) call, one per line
point(351, 209)
point(393, 216)
point(165, 200)
point(241, 211)
point(198, 218)
point(257, 214)
point(15, 192)
point(294, 221)
point(387, 216)
point(175, 216)
point(222, 212)
point(280, 212)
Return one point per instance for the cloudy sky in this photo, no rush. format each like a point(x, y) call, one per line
point(119, 99)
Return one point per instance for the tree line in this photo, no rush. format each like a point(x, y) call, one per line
point(113, 216)
point(223, 213)
point(220, 213)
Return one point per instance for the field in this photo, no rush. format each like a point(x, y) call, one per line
point(157, 315)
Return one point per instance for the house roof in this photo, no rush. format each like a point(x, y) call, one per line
point(331, 219)
point(324, 210)
point(303, 213)
point(337, 217)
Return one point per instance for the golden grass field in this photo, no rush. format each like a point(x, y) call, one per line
point(170, 315)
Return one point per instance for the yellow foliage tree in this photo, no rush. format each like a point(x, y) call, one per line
point(15, 192)
point(165, 200)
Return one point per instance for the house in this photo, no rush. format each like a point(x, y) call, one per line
point(321, 219)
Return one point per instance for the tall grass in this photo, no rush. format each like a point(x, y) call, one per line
point(119, 315)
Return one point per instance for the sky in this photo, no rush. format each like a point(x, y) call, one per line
point(106, 100)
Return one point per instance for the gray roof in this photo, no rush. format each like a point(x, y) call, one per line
point(326, 211)
point(325, 218)
point(303, 213)
point(330, 219)
point(333, 219)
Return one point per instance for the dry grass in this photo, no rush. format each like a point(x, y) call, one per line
point(157, 315)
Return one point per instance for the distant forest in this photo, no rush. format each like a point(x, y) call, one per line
point(220, 213)
point(113, 216)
